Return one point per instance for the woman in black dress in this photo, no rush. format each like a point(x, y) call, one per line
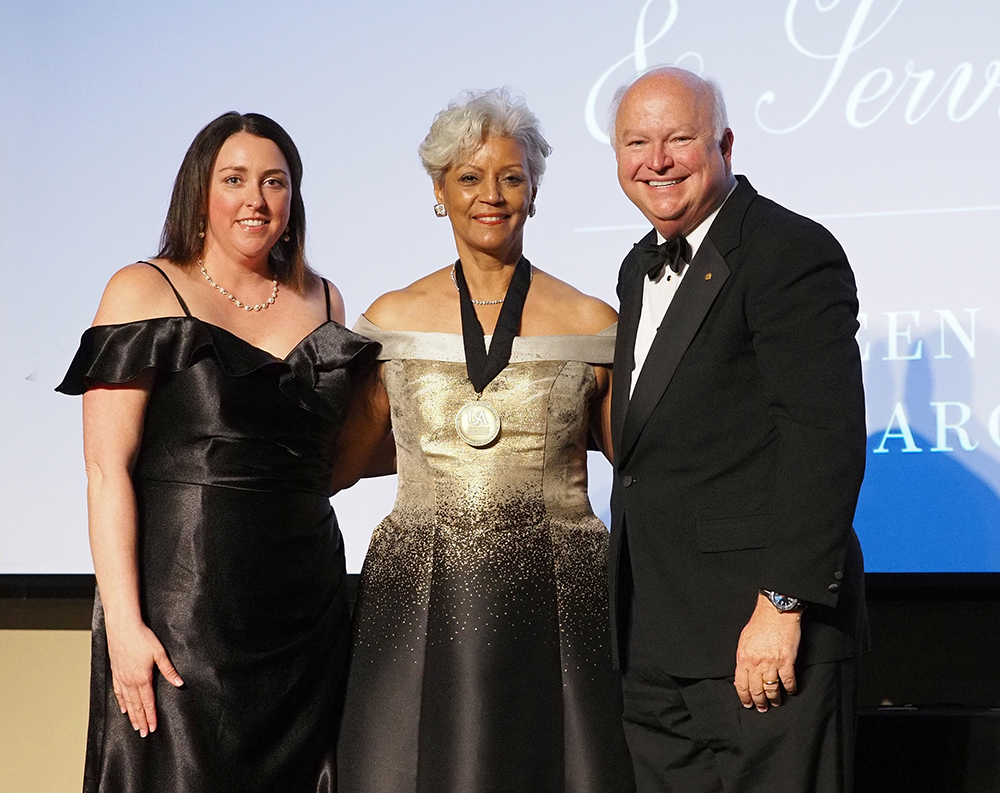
point(215, 381)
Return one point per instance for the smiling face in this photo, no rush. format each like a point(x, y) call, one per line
point(249, 199)
point(487, 196)
point(670, 162)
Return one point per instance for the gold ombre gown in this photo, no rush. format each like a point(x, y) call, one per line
point(481, 657)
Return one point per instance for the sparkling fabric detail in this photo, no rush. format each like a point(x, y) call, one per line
point(481, 657)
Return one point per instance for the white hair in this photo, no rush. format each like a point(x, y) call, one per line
point(463, 127)
point(720, 119)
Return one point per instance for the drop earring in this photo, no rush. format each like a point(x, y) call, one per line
point(287, 236)
point(440, 210)
point(531, 209)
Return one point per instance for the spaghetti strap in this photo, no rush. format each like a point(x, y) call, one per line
point(181, 299)
point(326, 289)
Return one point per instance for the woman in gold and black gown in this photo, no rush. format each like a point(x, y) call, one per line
point(481, 657)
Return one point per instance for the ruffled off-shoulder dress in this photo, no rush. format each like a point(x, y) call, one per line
point(241, 563)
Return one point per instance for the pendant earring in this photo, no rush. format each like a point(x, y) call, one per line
point(440, 210)
point(531, 209)
point(287, 236)
point(201, 230)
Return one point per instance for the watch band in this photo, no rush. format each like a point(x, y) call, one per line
point(782, 603)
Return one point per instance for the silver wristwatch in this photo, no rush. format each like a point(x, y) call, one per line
point(781, 602)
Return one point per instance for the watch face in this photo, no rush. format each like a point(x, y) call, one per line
point(783, 603)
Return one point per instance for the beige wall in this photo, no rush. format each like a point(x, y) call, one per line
point(44, 696)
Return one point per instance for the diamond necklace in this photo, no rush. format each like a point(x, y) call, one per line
point(481, 302)
point(233, 299)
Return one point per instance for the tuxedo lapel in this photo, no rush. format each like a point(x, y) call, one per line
point(705, 277)
point(630, 305)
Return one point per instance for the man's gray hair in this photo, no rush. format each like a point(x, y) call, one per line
point(720, 119)
point(463, 127)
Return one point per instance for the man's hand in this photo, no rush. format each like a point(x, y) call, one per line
point(765, 657)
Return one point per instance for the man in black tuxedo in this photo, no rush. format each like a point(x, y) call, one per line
point(739, 441)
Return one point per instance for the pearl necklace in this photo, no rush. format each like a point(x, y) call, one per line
point(236, 301)
point(487, 302)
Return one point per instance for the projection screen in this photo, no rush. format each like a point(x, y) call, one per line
point(878, 118)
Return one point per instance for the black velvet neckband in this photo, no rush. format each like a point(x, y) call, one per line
point(482, 366)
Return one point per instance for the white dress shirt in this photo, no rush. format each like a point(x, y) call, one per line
point(657, 294)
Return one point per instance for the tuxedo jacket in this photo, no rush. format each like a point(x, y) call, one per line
point(739, 456)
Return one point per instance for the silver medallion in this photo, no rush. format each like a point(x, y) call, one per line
point(477, 423)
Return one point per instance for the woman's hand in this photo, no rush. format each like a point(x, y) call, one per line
point(135, 653)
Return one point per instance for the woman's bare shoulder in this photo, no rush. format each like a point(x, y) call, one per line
point(136, 292)
point(315, 292)
point(414, 307)
point(573, 311)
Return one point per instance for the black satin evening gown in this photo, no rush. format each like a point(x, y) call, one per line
point(241, 562)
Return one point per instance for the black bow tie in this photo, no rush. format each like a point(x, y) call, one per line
point(672, 253)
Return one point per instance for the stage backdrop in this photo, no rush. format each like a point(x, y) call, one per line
point(878, 118)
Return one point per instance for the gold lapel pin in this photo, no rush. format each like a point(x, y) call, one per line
point(708, 276)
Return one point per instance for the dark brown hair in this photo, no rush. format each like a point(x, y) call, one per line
point(180, 242)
